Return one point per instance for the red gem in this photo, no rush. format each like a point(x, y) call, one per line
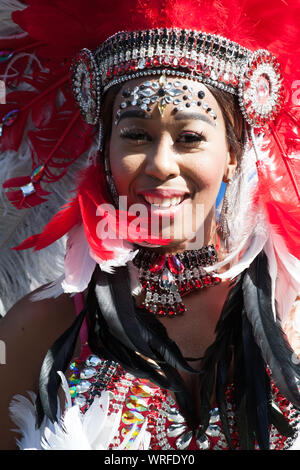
point(175, 63)
point(115, 72)
point(182, 289)
point(175, 265)
point(199, 68)
point(161, 312)
point(234, 80)
point(166, 61)
point(191, 64)
point(198, 283)
point(132, 65)
point(108, 73)
point(171, 312)
point(156, 61)
point(126, 67)
point(181, 308)
point(207, 281)
point(191, 284)
point(207, 72)
point(148, 63)
point(121, 69)
point(158, 264)
point(183, 62)
point(216, 280)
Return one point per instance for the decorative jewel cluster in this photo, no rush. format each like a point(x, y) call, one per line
point(166, 278)
point(213, 58)
point(208, 58)
point(88, 378)
point(141, 400)
point(163, 92)
point(261, 92)
point(86, 85)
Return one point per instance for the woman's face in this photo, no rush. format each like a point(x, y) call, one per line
point(171, 162)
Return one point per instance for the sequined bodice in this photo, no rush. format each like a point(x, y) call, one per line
point(140, 400)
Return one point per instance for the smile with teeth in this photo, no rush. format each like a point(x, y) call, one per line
point(164, 203)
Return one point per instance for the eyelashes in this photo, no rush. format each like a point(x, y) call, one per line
point(135, 134)
point(139, 135)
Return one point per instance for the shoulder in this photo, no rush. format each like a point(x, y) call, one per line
point(36, 323)
point(26, 333)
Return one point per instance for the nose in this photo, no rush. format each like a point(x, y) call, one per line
point(162, 162)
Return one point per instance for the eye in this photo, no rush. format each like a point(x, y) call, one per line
point(136, 135)
point(191, 138)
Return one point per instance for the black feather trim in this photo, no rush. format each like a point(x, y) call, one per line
point(155, 334)
point(220, 349)
point(221, 385)
point(267, 331)
point(57, 359)
point(255, 373)
point(279, 421)
point(117, 307)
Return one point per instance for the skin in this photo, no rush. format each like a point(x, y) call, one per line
point(173, 151)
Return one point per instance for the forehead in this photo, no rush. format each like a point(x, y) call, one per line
point(188, 88)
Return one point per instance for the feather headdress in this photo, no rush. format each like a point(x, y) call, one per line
point(40, 109)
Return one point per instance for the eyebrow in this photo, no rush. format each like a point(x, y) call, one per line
point(181, 116)
point(137, 113)
point(197, 116)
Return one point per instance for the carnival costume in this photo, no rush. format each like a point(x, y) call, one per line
point(78, 52)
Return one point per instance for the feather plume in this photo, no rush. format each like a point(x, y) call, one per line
point(267, 332)
point(79, 265)
point(226, 331)
point(255, 374)
point(57, 358)
point(94, 430)
point(8, 26)
point(136, 329)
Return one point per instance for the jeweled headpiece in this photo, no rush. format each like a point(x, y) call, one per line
point(254, 77)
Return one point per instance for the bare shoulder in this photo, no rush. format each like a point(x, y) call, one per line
point(27, 332)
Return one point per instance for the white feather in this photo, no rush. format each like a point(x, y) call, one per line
point(123, 252)
point(273, 270)
point(8, 27)
point(79, 266)
point(23, 271)
point(22, 412)
point(288, 279)
point(93, 430)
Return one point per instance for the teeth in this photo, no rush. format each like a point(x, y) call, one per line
point(166, 202)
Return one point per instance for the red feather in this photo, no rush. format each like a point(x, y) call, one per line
point(91, 193)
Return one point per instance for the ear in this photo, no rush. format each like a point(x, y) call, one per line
point(231, 164)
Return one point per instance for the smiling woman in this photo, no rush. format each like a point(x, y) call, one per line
point(174, 338)
point(170, 152)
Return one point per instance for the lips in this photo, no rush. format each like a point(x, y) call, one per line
point(164, 198)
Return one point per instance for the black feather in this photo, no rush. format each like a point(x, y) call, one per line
point(104, 344)
point(279, 421)
point(257, 400)
point(221, 385)
point(243, 421)
point(116, 305)
point(182, 394)
point(225, 332)
point(267, 331)
point(155, 334)
point(57, 359)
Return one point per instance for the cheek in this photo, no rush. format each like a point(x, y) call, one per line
point(209, 169)
point(123, 167)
